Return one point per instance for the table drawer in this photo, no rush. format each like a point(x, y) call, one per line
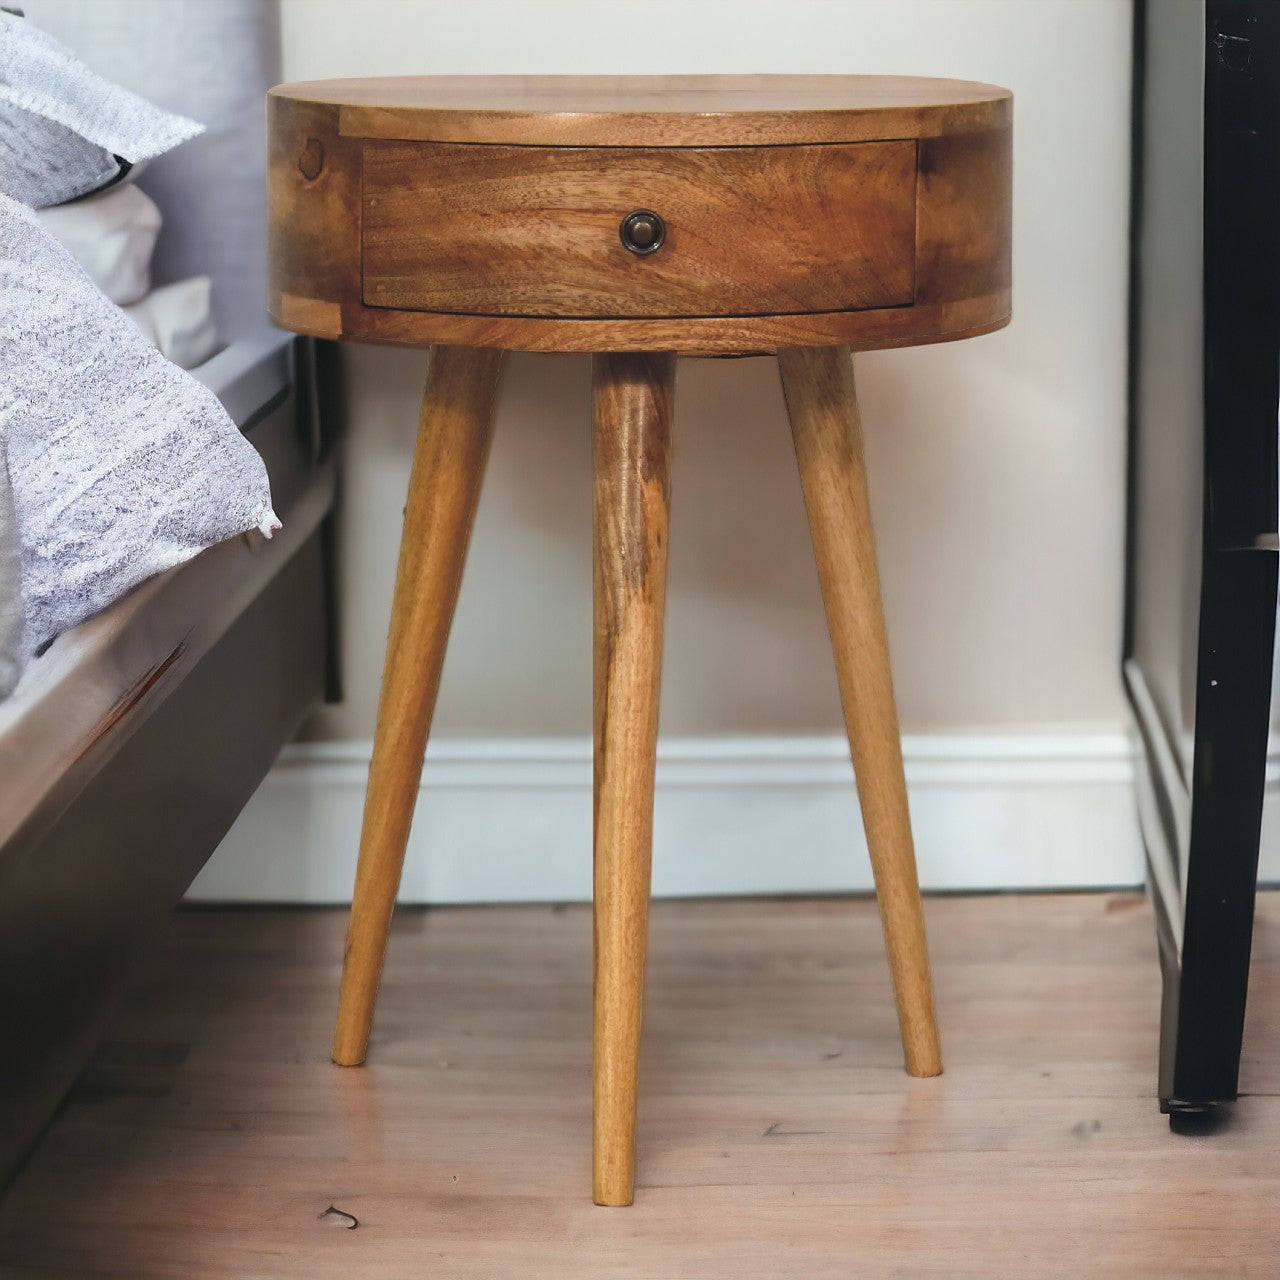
point(534, 231)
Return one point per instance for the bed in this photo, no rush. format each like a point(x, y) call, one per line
point(132, 743)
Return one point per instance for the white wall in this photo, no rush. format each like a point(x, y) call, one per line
point(997, 465)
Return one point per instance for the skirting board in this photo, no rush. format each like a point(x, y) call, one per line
point(1269, 839)
point(510, 820)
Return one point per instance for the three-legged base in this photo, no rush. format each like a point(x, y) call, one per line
point(632, 398)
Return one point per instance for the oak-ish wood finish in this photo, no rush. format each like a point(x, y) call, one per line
point(632, 403)
point(828, 438)
point(803, 215)
point(894, 229)
point(444, 486)
point(780, 1141)
point(658, 111)
point(545, 223)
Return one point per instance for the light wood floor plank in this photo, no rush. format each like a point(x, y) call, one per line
point(778, 1135)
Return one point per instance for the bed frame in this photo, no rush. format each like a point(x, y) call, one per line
point(134, 742)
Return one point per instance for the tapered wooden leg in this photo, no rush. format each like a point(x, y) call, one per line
point(818, 384)
point(448, 462)
point(632, 410)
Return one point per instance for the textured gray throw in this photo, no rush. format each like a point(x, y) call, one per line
point(11, 613)
point(63, 129)
point(122, 464)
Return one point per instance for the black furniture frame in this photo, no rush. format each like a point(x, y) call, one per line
point(1200, 624)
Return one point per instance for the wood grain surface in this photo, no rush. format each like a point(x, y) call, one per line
point(527, 231)
point(721, 335)
point(454, 431)
point(313, 213)
point(778, 1136)
point(823, 406)
point(632, 402)
point(657, 111)
point(964, 224)
point(558, 254)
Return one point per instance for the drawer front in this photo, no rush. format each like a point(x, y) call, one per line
point(534, 231)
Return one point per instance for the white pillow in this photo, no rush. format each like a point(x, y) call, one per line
point(65, 131)
point(178, 319)
point(112, 235)
point(122, 465)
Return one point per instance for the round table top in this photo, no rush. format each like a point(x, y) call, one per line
point(656, 111)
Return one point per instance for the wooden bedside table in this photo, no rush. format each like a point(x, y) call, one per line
point(637, 218)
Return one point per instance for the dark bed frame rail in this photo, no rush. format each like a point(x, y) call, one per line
point(91, 873)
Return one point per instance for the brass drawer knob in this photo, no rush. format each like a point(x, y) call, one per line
point(642, 231)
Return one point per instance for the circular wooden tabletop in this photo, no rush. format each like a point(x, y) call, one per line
point(657, 111)
point(782, 211)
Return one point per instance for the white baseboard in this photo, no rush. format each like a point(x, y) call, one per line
point(1269, 842)
point(510, 820)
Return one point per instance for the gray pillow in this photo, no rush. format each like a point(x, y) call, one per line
point(11, 611)
point(122, 465)
point(65, 131)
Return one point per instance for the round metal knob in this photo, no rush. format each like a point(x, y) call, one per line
point(642, 231)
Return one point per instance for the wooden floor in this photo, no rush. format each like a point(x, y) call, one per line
point(778, 1135)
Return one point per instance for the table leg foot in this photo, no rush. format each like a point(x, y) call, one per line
point(632, 411)
point(454, 431)
point(821, 401)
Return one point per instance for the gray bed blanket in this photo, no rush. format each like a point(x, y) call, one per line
point(11, 611)
point(122, 465)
